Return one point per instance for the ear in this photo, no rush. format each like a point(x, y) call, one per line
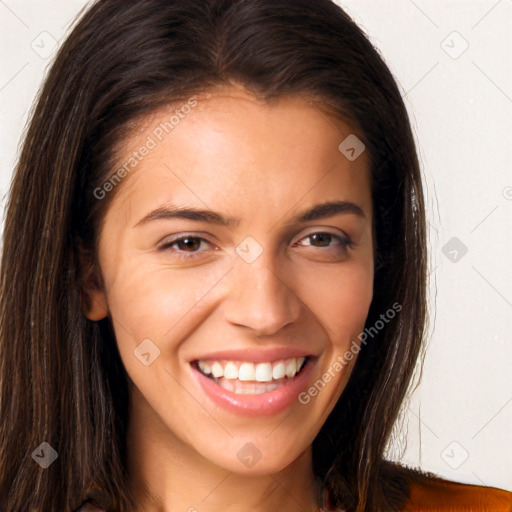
point(94, 305)
point(92, 292)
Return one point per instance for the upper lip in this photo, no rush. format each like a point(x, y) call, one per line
point(255, 355)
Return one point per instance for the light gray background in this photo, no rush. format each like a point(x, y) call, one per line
point(453, 63)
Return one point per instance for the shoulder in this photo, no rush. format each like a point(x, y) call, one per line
point(430, 493)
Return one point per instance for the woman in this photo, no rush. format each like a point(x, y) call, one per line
point(214, 269)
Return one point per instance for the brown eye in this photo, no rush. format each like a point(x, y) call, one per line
point(320, 239)
point(324, 239)
point(188, 244)
point(186, 247)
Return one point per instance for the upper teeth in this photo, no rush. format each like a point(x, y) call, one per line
point(261, 372)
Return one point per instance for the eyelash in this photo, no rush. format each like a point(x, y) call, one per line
point(345, 242)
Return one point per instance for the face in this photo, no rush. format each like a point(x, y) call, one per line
point(233, 321)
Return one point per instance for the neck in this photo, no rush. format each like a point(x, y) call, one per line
point(167, 474)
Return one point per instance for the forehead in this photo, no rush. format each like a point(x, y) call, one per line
point(232, 149)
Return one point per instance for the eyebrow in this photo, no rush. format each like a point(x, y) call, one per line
point(319, 211)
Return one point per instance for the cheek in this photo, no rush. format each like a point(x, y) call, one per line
point(341, 298)
point(158, 303)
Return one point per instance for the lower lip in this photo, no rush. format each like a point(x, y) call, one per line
point(263, 404)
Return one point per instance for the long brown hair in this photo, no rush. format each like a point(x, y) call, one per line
point(62, 379)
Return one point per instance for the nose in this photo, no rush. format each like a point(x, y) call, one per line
point(259, 298)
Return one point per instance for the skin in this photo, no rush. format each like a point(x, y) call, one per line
point(263, 165)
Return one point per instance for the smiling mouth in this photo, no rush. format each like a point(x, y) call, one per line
point(245, 377)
